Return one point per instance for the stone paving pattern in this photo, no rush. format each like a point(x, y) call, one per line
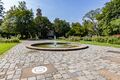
point(71, 65)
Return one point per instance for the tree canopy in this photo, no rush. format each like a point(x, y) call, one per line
point(91, 16)
point(61, 27)
point(1, 9)
point(20, 20)
point(109, 14)
point(43, 26)
point(76, 30)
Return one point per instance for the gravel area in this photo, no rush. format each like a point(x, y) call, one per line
point(69, 65)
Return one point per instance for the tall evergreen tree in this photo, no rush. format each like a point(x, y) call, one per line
point(43, 25)
point(1, 9)
point(39, 13)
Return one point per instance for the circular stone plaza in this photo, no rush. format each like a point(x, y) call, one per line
point(93, 63)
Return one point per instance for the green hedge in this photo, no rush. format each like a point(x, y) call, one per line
point(106, 39)
point(103, 39)
point(11, 40)
point(74, 38)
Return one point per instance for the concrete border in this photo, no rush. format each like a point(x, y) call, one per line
point(32, 46)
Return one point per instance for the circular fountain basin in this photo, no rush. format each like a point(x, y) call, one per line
point(58, 46)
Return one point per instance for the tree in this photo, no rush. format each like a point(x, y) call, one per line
point(43, 26)
point(39, 13)
point(110, 12)
point(18, 20)
point(1, 9)
point(91, 15)
point(61, 27)
point(88, 28)
point(76, 30)
point(115, 26)
point(1, 14)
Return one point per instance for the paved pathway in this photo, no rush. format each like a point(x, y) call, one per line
point(94, 63)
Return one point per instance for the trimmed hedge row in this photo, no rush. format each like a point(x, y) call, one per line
point(106, 39)
point(11, 40)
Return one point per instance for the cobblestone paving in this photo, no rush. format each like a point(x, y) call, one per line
point(71, 65)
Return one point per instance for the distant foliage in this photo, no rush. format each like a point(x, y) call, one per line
point(74, 38)
point(1, 9)
point(91, 16)
point(102, 39)
point(43, 25)
point(39, 13)
point(61, 27)
point(19, 21)
point(76, 30)
point(96, 23)
point(109, 18)
point(106, 39)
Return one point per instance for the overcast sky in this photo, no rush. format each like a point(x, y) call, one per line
point(70, 10)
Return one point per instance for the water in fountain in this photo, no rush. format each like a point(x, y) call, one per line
point(55, 43)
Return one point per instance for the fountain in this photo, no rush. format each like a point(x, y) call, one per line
point(56, 46)
point(55, 43)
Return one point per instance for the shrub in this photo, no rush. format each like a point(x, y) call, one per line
point(74, 38)
point(15, 39)
point(62, 38)
point(86, 38)
point(99, 39)
point(105, 39)
point(113, 40)
point(11, 40)
point(117, 35)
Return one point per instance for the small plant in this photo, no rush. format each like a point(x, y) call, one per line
point(11, 40)
point(74, 38)
point(113, 40)
point(86, 38)
point(62, 38)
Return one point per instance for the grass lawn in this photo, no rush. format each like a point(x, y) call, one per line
point(96, 43)
point(6, 46)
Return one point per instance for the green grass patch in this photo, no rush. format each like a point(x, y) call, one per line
point(95, 43)
point(5, 47)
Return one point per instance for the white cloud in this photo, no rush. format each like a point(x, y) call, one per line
point(10, 3)
point(30, 4)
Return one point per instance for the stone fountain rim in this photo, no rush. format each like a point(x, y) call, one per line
point(80, 47)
